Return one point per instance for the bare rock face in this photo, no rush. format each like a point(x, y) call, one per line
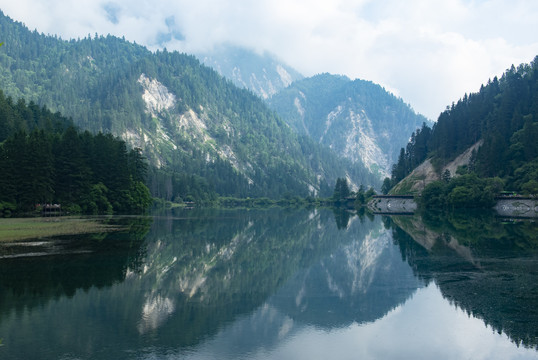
point(156, 95)
point(425, 173)
point(359, 120)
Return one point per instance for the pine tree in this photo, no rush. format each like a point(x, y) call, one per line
point(73, 176)
point(341, 190)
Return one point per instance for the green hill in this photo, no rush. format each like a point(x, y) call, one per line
point(201, 132)
point(497, 127)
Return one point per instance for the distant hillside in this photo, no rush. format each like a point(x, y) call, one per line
point(187, 119)
point(357, 119)
point(500, 121)
point(263, 74)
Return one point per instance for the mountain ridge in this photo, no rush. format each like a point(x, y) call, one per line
point(496, 127)
point(186, 118)
point(263, 74)
point(358, 119)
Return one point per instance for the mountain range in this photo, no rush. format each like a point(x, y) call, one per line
point(188, 119)
point(358, 119)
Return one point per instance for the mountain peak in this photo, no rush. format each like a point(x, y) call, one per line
point(263, 74)
point(358, 119)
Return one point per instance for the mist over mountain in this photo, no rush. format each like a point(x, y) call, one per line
point(358, 119)
point(263, 74)
point(202, 132)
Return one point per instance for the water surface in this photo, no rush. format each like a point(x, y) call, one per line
point(278, 284)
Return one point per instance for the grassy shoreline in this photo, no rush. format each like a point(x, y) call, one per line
point(15, 229)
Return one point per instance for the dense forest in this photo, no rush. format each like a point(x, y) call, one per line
point(44, 159)
point(212, 137)
point(358, 119)
point(504, 116)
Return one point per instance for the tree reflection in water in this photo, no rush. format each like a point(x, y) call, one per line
point(485, 265)
point(245, 281)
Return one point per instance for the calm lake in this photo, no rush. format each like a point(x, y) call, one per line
point(276, 284)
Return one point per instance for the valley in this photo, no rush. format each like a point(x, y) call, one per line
point(200, 133)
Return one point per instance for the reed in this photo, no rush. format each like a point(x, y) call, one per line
point(31, 228)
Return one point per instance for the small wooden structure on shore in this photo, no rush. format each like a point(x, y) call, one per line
point(51, 210)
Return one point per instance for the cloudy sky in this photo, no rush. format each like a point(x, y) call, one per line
point(429, 52)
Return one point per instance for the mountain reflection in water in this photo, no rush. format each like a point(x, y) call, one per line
point(278, 284)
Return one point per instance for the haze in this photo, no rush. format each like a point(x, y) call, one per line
point(430, 53)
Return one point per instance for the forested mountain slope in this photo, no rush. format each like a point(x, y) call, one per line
point(198, 128)
point(358, 119)
point(501, 120)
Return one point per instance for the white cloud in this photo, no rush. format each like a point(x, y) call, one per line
point(429, 52)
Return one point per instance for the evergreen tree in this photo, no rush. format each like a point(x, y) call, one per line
point(387, 185)
point(73, 175)
point(39, 163)
point(235, 143)
point(503, 114)
point(53, 164)
point(341, 190)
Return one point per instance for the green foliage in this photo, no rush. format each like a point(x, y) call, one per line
point(446, 176)
point(460, 197)
point(466, 191)
point(413, 155)
point(433, 195)
point(97, 202)
point(362, 197)
point(95, 81)
point(462, 170)
point(341, 190)
point(139, 197)
point(369, 194)
point(387, 185)
point(504, 115)
point(177, 187)
point(55, 163)
point(6, 209)
point(530, 187)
